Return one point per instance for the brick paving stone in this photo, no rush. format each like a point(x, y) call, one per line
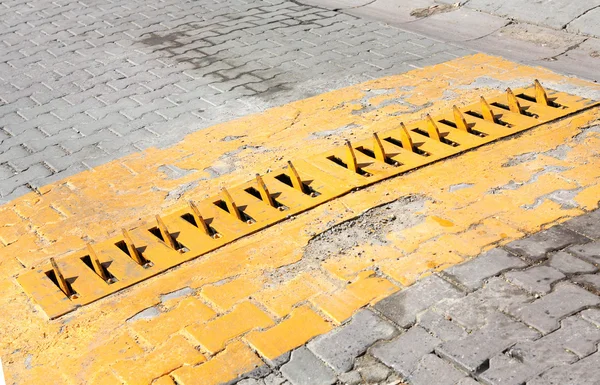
point(569, 264)
point(586, 224)
point(590, 252)
point(403, 307)
point(404, 352)
point(341, 346)
point(590, 281)
point(576, 338)
point(545, 313)
point(537, 245)
point(471, 274)
point(371, 370)
point(592, 315)
point(440, 326)
point(499, 333)
point(434, 370)
point(95, 68)
point(304, 368)
point(583, 372)
point(473, 310)
point(537, 279)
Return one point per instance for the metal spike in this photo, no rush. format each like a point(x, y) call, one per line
point(166, 235)
point(459, 120)
point(200, 222)
point(264, 191)
point(133, 251)
point(486, 111)
point(62, 283)
point(540, 93)
point(231, 206)
point(405, 139)
point(432, 129)
point(296, 181)
point(513, 103)
point(98, 268)
point(351, 158)
point(378, 148)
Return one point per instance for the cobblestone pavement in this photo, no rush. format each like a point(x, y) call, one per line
point(85, 82)
point(524, 313)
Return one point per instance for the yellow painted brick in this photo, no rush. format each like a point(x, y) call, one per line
point(228, 294)
point(214, 334)
point(158, 329)
point(104, 377)
point(407, 270)
point(532, 220)
point(589, 198)
point(350, 264)
point(237, 359)
point(341, 304)
point(282, 298)
point(177, 351)
point(302, 325)
point(164, 380)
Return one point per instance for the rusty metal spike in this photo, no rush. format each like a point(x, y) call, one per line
point(133, 251)
point(378, 148)
point(459, 120)
point(405, 139)
point(351, 158)
point(540, 93)
point(486, 111)
point(166, 235)
point(432, 129)
point(231, 206)
point(200, 222)
point(264, 191)
point(62, 283)
point(513, 103)
point(296, 181)
point(98, 268)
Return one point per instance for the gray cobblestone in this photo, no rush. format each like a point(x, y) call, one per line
point(403, 307)
point(590, 281)
point(498, 334)
point(404, 353)
point(440, 326)
point(589, 252)
point(473, 273)
point(536, 246)
point(545, 313)
point(434, 370)
point(341, 346)
point(583, 372)
point(568, 264)
point(537, 279)
point(304, 368)
point(99, 59)
point(587, 224)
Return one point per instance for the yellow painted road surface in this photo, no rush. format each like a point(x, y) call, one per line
point(261, 296)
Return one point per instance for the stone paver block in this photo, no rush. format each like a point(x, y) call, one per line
point(472, 273)
point(569, 264)
point(537, 245)
point(371, 370)
point(403, 307)
point(440, 326)
point(304, 368)
point(537, 280)
point(350, 378)
point(545, 313)
point(589, 281)
point(341, 346)
point(526, 360)
point(404, 353)
point(590, 252)
point(592, 315)
point(472, 311)
point(583, 372)
point(433, 370)
point(586, 224)
point(499, 333)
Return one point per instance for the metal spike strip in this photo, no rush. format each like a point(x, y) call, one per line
point(206, 225)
